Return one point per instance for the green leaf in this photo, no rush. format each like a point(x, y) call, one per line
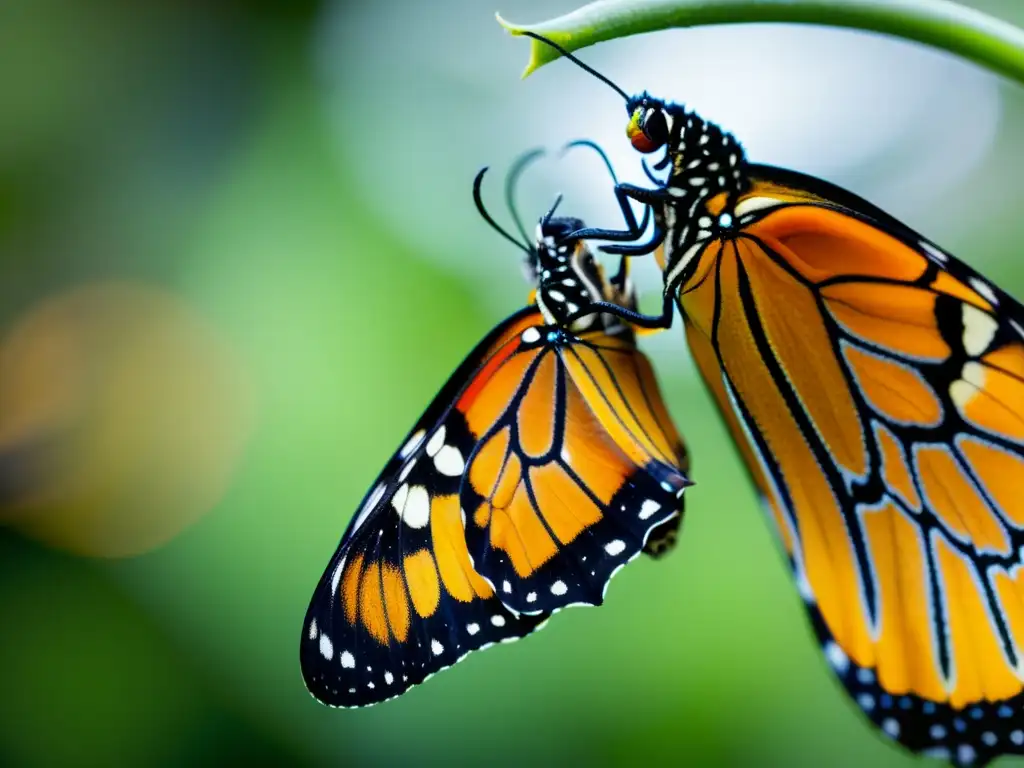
point(985, 40)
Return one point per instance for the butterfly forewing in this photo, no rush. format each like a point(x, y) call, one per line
point(875, 387)
point(539, 469)
point(400, 599)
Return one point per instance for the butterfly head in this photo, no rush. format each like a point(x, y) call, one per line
point(650, 123)
point(704, 160)
point(567, 275)
point(562, 269)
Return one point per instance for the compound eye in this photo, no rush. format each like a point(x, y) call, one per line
point(655, 128)
point(648, 128)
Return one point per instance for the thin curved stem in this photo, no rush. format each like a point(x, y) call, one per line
point(990, 42)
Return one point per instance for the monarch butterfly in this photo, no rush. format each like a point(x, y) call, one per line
point(874, 386)
point(544, 464)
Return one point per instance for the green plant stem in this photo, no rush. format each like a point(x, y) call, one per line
point(985, 40)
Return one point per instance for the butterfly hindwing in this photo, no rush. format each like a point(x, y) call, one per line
point(556, 499)
point(636, 400)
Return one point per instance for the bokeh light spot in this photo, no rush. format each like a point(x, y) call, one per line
point(122, 417)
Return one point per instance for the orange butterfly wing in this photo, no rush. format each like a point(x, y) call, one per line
point(541, 467)
point(875, 388)
point(575, 467)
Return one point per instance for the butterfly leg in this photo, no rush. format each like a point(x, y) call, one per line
point(664, 320)
point(637, 249)
point(619, 280)
point(623, 194)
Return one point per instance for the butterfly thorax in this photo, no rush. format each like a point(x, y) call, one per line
point(569, 278)
point(706, 178)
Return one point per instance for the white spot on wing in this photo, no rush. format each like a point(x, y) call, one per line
point(406, 470)
point(751, 204)
point(436, 441)
point(416, 512)
point(960, 392)
point(473, 628)
point(326, 647)
point(498, 620)
point(972, 379)
point(984, 289)
point(449, 461)
point(934, 252)
point(979, 330)
point(965, 754)
point(389, 678)
point(559, 588)
point(436, 647)
point(348, 661)
point(412, 444)
point(335, 580)
point(803, 586)
point(532, 597)
point(891, 727)
point(398, 500)
point(531, 335)
point(312, 630)
point(837, 657)
point(372, 500)
point(648, 508)
point(615, 547)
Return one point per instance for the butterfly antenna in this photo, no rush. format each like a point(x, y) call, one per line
point(511, 180)
point(551, 211)
point(487, 216)
point(597, 148)
point(578, 63)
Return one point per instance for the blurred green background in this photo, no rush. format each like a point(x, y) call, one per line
point(238, 257)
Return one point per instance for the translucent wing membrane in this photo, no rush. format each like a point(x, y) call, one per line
point(875, 388)
point(540, 468)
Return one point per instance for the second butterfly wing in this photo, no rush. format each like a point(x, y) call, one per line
point(875, 386)
point(542, 466)
point(573, 469)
